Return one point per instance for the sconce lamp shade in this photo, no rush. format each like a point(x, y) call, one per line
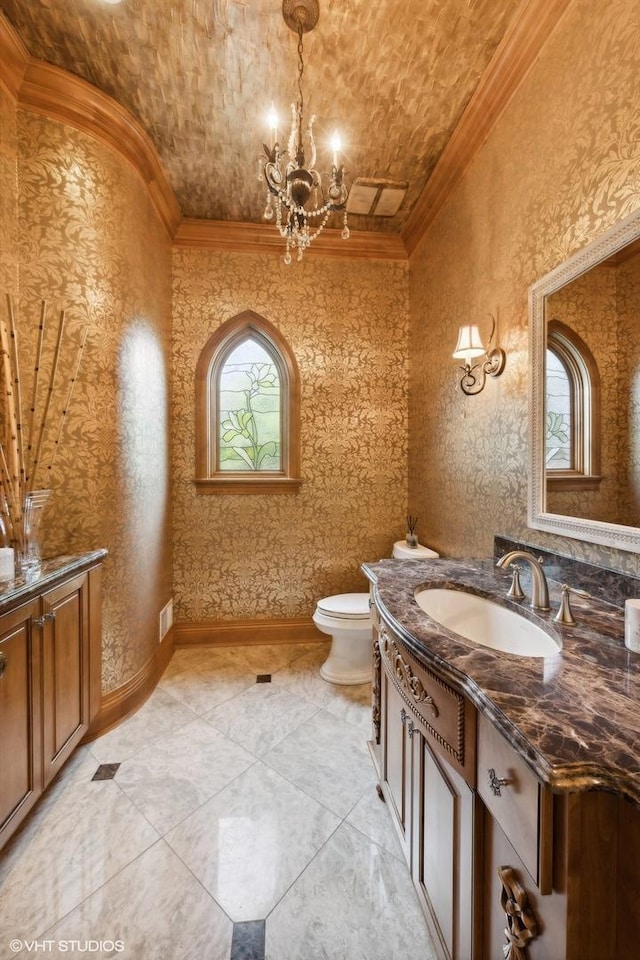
point(469, 343)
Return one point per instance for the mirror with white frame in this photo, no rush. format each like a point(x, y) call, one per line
point(584, 479)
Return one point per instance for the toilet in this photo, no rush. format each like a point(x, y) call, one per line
point(346, 617)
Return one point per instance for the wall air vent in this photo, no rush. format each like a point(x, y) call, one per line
point(166, 620)
point(374, 197)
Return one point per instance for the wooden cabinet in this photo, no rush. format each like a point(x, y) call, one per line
point(516, 870)
point(65, 671)
point(517, 800)
point(442, 863)
point(503, 868)
point(427, 744)
point(20, 717)
point(49, 660)
point(590, 910)
point(396, 760)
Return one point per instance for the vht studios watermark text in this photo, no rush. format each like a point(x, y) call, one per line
point(67, 946)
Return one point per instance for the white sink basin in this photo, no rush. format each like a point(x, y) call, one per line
point(485, 622)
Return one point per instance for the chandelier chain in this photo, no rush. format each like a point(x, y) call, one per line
point(300, 73)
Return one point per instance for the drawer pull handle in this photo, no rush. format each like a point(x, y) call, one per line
point(495, 782)
point(411, 727)
point(45, 618)
point(3, 665)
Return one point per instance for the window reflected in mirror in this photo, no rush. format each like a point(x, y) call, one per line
point(572, 411)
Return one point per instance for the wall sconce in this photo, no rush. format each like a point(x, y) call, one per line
point(469, 347)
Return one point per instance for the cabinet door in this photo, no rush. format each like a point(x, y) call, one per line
point(517, 920)
point(20, 740)
point(444, 854)
point(396, 760)
point(65, 668)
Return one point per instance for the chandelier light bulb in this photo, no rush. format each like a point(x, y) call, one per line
point(273, 124)
point(336, 144)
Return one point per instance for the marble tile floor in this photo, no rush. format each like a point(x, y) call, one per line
point(234, 817)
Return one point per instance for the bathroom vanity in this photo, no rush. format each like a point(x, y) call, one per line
point(513, 782)
point(50, 656)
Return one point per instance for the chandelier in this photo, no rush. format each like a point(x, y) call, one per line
point(291, 184)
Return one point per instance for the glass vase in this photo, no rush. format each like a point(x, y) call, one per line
point(27, 546)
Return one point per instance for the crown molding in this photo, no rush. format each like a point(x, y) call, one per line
point(515, 55)
point(264, 238)
point(60, 95)
point(14, 58)
point(55, 93)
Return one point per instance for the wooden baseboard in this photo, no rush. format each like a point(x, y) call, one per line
point(245, 632)
point(119, 704)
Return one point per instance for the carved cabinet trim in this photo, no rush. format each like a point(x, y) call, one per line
point(522, 926)
point(438, 708)
point(375, 689)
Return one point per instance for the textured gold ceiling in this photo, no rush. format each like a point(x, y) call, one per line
point(200, 75)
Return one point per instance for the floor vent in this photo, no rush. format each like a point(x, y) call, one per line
point(166, 619)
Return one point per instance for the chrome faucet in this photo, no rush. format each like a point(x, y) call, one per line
point(539, 589)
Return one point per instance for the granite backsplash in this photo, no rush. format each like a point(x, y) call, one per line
point(603, 584)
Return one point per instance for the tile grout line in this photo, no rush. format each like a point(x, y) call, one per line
point(307, 794)
point(154, 740)
point(98, 888)
point(274, 745)
point(305, 868)
point(164, 835)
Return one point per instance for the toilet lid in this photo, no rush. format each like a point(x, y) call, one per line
point(346, 606)
point(401, 549)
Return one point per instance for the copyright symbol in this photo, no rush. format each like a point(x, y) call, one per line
point(15, 946)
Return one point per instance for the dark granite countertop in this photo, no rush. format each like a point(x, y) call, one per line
point(574, 717)
point(15, 592)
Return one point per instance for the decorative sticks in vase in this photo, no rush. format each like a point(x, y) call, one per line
point(23, 447)
point(412, 536)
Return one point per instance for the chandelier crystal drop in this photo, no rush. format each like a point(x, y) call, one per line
point(291, 183)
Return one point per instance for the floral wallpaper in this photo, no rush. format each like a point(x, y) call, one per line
point(261, 557)
point(561, 166)
point(90, 242)
point(8, 194)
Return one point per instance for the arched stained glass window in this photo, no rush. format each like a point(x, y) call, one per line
point(247, 410)
point(249, 421)
point(559, 396)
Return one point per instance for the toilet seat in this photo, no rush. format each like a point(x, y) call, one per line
point(346, 606)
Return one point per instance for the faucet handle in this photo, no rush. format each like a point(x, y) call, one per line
point(565, 614)
point(515, 591)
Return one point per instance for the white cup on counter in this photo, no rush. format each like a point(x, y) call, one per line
point(7, 564)
point(632, 625)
